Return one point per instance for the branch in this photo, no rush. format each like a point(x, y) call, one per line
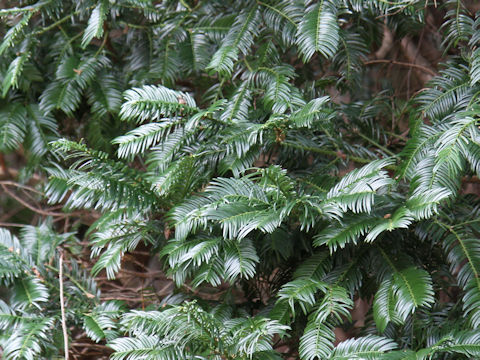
point(61, 21)
point(7, 224)
point(338, 154)
point(92, 345)
point(62, 307)
point(399, 63)
point(27, 205)
point(21, 186)
point(4, 167)
point(412, 52)
point(75, 282)
point(387, 43)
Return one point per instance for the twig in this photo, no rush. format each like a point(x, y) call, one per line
point(126, 297)
point(141, 274)
point(27, 205)
point(3, 166)
point(185, 5)
point(387, 43)
point(21, 186)
point(399, 63)
point(62, 307)
point(75, 282)
point(338, 154)
point(7, 224)
point(374, 143)
point(91, 345)
point(61, 21)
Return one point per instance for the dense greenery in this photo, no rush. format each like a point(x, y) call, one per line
point(259, 150)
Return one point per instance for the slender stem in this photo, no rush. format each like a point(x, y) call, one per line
point(466, 222)
point(105, 38)
point(185, 5)
point(374, 143)
point(75, 282)
point(21, 186)
point(279, 12)
point(7, 224)
point(248, 65)
point(399, 63)
point(28, 206)
point(337, 154)
point(61, 21)
point(62, 307)
point(400, 137)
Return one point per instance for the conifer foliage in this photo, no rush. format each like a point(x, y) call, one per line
point(258, 151)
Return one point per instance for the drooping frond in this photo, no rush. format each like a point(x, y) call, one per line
point(356, 190)
point(283, 18)
point(141, 139)
point(10, 251)
point(101, 323)
point(161, 334)
point(29, 292)
point(279, 92)
point(14, 71)
point(463, 252)
point(240, 259)
point(410, 287)
point(314, 110)
point(237, 107)
point(15, 32)
point(368, 347)
point(459, 25)
point(73, 75)
point(335, 305)
point(63, 96)
point(384, 306)
point(351, 55)
point(335, 237)
point(316, 341)
point(13, 126)
point(447, 93)
point(319, 30)
point(475, 67)
point(26, 343)
point(154, 102)
point(238, 205)
point(302, 292)
point(95, 23)
point(238, 40)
